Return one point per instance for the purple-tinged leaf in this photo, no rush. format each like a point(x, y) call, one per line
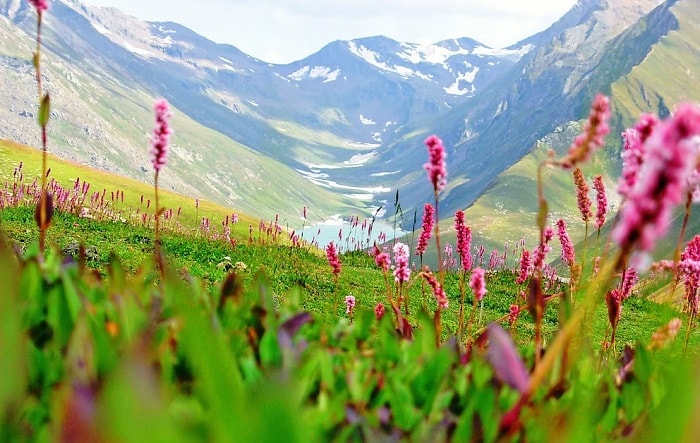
point(289, 329)
point(505, 360)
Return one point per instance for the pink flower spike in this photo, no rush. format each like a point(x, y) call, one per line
point(594, 132)
point(438, 291)
point(333, 260)
point(567, 246)
point(582, 197)
point(40, 5)
point(428, 212)
point(349, 304)
point(437, 170)
point(379, 311)
point(464, 241)
point(601, 200)
point(525, 267)
point(382, 259)
point(161, 135)
point(478, 284)
point(402, 272)
point(671, 155)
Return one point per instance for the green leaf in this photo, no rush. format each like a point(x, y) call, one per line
point(44, 111)
point(270, 353)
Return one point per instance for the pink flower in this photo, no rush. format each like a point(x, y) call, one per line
point(333, 260)
point(437, 170)
point(379, 311)
point(478, 284)
point(349, 304)
point(382, 259)
point(594, 132)
point(601, 200)
point(596, 265)
point(514, 313)
point(669, 159)
point(464, 241)
point(427, 229)
point(539, 255)
point(40, 5)
point(629, 279)
point(633, 152)
point(402, 272)
point(525, 267)
point(438, 291)
point(161, 135)
point(689, 267)
point(567, 246)
point(582, 198)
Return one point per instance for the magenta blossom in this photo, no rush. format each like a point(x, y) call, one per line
point(633, 152)
point(382, 259)
point(349, 304)
point(428, 212)
point(525, 267)
point(478, 284)
point(601, 200)
point(464, 241)
point(333, 260)
point(402, 272)
point(436, 167)
point(161, 135)
point(379, 311)
point(40, 5)
point(669, 159)
point(438, 291)
point(594, 132)
point(567, 246)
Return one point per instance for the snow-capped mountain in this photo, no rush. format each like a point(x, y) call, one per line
point(340, 130)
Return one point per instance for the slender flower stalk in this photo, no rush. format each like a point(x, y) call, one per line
point(44, 209)
point(437, 175)
point(464, 246)
point(160, 143)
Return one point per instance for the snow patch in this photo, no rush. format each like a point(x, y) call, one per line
point(101, 29)
point(374, 59)
point(360, 159)
point(322, 72)
point(428, 53)
point(454, 89)
point(138, 51)
point(505, 53)
point(384, 174)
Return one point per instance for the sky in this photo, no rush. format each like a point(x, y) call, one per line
point(282, 31)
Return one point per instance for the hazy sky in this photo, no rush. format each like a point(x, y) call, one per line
point(281, 31)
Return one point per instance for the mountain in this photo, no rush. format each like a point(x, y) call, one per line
point(658, 70)
point(341, 130)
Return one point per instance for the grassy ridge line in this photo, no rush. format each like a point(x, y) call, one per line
point(65, 172)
